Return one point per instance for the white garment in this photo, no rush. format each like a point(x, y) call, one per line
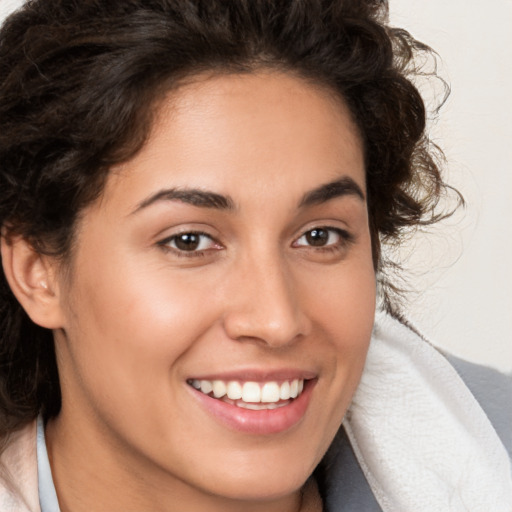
point(421, 438)
point(18, 472)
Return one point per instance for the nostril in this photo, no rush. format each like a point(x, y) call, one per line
point(264, 305)
point(274, 328)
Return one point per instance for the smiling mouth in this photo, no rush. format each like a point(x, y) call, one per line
point(251, 395)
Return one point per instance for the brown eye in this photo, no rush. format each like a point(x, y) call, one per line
point(317, 237)
point(323, 237)
point(189, 242)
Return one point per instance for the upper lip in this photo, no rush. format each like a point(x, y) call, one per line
point(258, 375)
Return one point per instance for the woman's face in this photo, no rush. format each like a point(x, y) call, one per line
point(233, 252)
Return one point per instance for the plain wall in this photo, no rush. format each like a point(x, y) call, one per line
point(463, 272)
point(466, 302)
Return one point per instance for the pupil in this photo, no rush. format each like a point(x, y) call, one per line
point(317, 237)
point(187, 242)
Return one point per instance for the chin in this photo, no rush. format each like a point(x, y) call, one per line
point(258, 487)
point(267, 476)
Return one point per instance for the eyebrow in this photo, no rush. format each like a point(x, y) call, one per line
point(345, 186)
point(192, 196)
point(205, 199)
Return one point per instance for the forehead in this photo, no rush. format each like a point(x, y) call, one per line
point(242, 135)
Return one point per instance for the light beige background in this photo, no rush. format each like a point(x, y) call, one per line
point(466, 306)
point(464, 271)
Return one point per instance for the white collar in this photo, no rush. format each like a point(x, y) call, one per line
point(47, 495)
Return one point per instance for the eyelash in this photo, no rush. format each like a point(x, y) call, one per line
point(346, 239)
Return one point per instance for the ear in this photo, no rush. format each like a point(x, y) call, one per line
point(33, 280)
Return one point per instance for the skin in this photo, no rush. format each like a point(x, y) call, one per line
point(137, 317)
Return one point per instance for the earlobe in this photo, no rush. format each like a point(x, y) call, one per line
point(32, 278)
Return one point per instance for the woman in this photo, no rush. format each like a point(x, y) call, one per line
point(194, 197)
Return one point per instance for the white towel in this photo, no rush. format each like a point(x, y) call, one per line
point(421, 438)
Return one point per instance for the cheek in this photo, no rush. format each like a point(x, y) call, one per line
point(343, 306)
point(133, 326)
point(344, 300)
point(341, 303)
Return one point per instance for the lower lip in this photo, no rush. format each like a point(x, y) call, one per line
point(267, 421)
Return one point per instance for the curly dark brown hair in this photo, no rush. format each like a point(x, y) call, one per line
point(80, 81)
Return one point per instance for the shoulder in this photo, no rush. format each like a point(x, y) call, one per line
point(18, 472)
point(403, 369)
point(493, 391)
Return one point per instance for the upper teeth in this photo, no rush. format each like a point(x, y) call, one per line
point(254, 392)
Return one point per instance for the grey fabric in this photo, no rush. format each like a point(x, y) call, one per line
point(493, 391)
point(341, 482)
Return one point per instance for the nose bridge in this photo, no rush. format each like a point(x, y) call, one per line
point(265, 305)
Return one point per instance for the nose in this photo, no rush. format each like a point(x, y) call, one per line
point(264, 305)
